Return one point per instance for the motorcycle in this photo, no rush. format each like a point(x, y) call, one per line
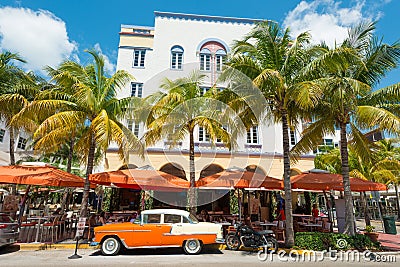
point(248, 237)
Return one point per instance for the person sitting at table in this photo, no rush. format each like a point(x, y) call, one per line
point(57, 212)
point(281, 213)
point(92, 224)
point(102, 218)
point(204, 216)
point(315, 211)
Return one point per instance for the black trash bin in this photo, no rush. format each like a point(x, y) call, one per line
point(390, 225)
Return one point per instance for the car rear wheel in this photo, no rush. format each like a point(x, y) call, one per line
point(192, 246)
point(110, 246)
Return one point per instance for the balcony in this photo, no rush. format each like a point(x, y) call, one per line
point(253, 148)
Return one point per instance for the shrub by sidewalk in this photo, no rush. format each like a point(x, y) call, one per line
point(334, 241)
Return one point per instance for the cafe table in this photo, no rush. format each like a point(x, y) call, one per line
point(312, 225)
point(266, 225)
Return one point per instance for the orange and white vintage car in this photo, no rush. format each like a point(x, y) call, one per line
point(158, 228)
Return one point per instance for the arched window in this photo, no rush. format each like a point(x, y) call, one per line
point(220, 56)
point(176, 57)
point(205, 59)
point(212, 54)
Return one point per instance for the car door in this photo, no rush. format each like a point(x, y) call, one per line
point(172, 237)
point(152, 223)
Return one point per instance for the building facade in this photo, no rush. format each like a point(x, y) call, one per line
point(175, 46)
point(21, 144)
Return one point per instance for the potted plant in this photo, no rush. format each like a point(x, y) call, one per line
point(370, 232)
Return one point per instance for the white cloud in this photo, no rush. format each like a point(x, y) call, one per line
point(38, 36)
point(327, 20)
point(108, 66)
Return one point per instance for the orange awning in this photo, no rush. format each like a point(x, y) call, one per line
point(331, 181)
point(46, 175)
point(140, 179)
point(240, 179)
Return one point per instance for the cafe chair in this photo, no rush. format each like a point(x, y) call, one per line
point(298, 227)
point(27, 229)
point(326, 227)
point(50, 228)
point(279, 231)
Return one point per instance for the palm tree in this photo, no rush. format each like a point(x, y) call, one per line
point(272, 60)
point(17, 90)
point(84, 101)
point(347, 74)
point(9, 76)
point(388, 150)
point(178, 110)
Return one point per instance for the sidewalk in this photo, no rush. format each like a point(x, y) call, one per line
point(389, 242)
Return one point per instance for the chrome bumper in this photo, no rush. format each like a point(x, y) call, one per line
point(94, 244)
point(220, 241)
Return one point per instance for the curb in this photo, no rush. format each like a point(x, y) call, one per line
point(44, 246)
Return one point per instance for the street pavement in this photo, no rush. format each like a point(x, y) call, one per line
point(12, 256)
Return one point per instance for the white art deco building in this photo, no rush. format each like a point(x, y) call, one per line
point(177, 44)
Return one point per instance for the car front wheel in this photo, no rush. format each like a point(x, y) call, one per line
point(192, 246)
point(110, 246)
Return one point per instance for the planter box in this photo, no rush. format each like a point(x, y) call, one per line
point(373, 236)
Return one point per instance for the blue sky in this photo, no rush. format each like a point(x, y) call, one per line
point(45, 32)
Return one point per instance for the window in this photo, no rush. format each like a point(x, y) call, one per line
point(21, 143)
point(152, 218)
point(204, 90)
point(136, 89)
point(205, 59)
point(292, 137)
point(219, 59)
point(252, 135)
point(138, 57)
point(172, 218)
point(2, 133)
point(134, 127)
point(219, 140)
point(328, 142)
point(176, 57)
point(203, 135)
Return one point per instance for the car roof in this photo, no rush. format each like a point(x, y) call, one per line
point(166, 211)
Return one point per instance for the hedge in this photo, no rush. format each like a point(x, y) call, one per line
point(324, 241)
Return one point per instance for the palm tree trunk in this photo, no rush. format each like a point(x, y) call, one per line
point(89, 169)
point(12, 158)
point(397, 201)
point(307, 199)
point(69, 167)
point(192, 193)
point(365, 206)
point(289, 233)
point(349, 227)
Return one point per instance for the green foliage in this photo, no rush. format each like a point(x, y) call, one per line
point(234, 205)
point(107, 198)
point(325, 241)
point(369, 228)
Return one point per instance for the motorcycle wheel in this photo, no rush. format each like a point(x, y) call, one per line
point(271, 244)
point(232, 242)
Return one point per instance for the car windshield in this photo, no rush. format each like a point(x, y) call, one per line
point(193, 219)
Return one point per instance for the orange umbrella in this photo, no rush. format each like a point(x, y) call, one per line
point(140, 179)
point(45, 175)
point(240, 179)
point(331, 181)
